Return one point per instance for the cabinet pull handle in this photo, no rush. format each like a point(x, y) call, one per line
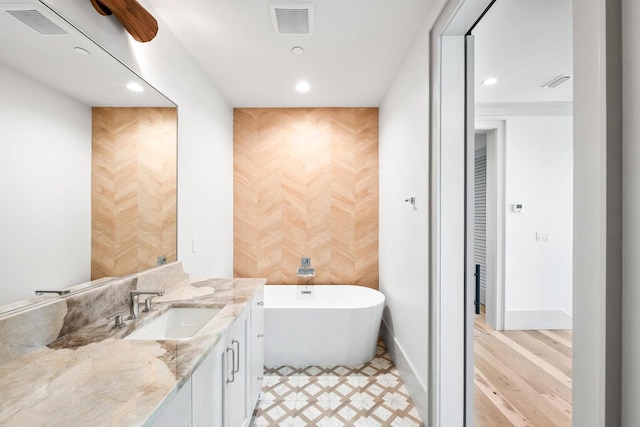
point(260, 303)
point(260, 335)
point(233, 372)
point(236, 368)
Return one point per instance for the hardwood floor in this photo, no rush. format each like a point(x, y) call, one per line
point(522, 378)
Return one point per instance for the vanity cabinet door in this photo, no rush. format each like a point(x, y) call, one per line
point(235, 374)
point(208, 389)
point(257, 349)
point(177, 413)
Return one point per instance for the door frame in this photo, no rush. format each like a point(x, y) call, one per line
point(597, 260)
point(451, 335)
point(496, 231)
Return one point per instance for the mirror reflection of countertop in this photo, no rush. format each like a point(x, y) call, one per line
point(94, 377)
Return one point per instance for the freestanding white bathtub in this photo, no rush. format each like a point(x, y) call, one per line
point(323, 325)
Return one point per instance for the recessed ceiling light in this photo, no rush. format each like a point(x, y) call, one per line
point(81, 51)
point(135, 87)
point(303, 86)
point(297, 50)
point(490, 81)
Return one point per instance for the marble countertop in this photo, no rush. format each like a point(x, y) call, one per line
point(93, 377)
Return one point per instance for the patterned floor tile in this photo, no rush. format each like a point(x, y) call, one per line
point(312, 412)
point(281, 391)
point(367, 395)
point(357, 381)
point(399, 402)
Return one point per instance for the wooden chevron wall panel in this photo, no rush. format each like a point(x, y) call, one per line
point(306, 184)
point(133, 189)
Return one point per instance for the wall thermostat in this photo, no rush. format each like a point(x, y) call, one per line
point(517, 208)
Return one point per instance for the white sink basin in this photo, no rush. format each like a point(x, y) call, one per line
point(175, 324)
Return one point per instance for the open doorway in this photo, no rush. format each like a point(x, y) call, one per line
point(489, 227)
point(597, 207)
point(523, 216)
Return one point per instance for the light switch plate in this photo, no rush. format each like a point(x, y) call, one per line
point(542, 237)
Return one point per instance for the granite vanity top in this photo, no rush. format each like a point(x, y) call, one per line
point(93, 377)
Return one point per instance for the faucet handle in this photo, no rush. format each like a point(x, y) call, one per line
point(147, 304)
point(119, 322)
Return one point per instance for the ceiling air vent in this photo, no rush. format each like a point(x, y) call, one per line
point(35, 17)
point(292, 19)
point(557, 81)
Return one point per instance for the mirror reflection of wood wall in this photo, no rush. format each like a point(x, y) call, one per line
point(133, 189)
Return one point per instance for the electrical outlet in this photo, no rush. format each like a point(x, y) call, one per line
point(542, 237)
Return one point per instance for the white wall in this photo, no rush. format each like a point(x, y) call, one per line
point(404, 233)
point(45, 171)
point(539, 175)
point(631, 215)
point(205, 135)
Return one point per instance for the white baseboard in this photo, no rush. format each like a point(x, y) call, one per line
point(537, 319)
point(416, 389)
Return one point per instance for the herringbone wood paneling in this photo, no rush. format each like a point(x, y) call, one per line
point(133, 189)
point(306, 184)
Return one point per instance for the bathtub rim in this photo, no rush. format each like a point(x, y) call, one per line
point(374, 299)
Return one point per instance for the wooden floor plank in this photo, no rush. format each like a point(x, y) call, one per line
point(564, 334)
point(559, 336)
point(483, 385)
point(536, 360)
point(539, 348)
point(557, 344)
point(561, 404)
point(520, 393)
point(486, 413)
point(522, 377)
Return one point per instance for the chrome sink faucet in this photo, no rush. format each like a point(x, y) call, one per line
point(135, 301)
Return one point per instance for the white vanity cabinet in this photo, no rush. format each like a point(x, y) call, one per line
point(208, 389)
point(220, 384)
point(177, 413)
point(256, 350)
point(235, 374)
point(225, 387)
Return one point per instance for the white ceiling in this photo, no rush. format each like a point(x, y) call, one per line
point(358, 46)
point(524, 44)
point(350, 60)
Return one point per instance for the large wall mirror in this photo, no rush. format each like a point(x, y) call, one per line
point(87, 166)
